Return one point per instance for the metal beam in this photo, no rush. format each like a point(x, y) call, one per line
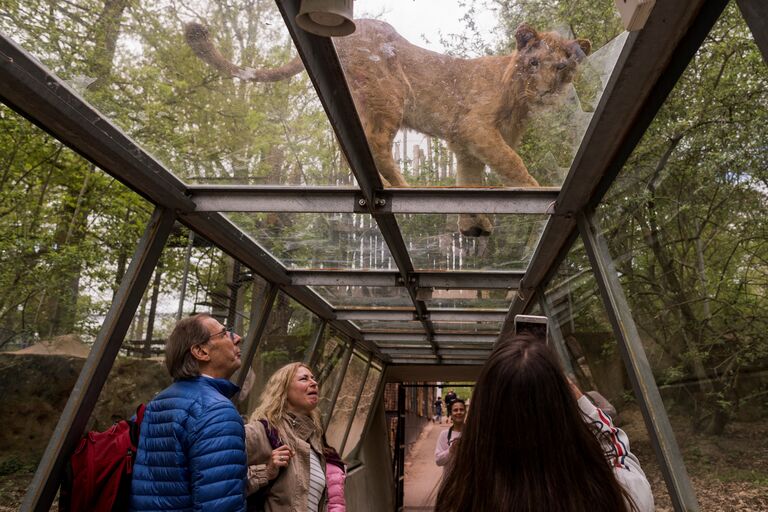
point(256, 328)
point(650, 64)
point(313, 354)
point(638, 369)
point(463, 280)
point(498, 280)
point(244, 198)
point(755, 13)
point(84, 395)
point(488, 200)
point(29, 88)
point(282, 198)
point(435, 315)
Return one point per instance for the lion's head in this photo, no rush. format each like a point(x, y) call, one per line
point(545, 63)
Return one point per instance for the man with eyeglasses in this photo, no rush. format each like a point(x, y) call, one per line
point(191, 452)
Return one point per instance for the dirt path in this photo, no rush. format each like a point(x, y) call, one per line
point(421, 473)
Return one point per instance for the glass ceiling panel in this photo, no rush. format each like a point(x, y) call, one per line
point(318, 240)
point(134, 65)
point(462, 299)
point(415, 102)
point(484, 327)
point(434, 242)
point(367, 296)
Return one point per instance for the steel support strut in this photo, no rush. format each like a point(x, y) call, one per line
point(82, 400)
point(313, 354)
point(638, 368)
point(256, 328)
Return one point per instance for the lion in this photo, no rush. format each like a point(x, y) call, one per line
point(479, 106)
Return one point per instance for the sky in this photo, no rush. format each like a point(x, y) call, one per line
point(414, 19)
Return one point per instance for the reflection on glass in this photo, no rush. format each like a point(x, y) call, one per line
point(342, 412)
point(434, 242)
point(133, 64)
point(362, 411)
point(330, 241)
point(435, 114)
point(370, 296)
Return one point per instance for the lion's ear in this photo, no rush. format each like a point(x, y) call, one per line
point(585, 45)
point(524, 35)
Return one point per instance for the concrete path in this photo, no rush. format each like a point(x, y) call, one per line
point(422, 475)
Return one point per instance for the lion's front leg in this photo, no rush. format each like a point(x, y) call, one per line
point(470, 174)
point(490, 147)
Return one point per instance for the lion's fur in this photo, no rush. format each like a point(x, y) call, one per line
point(480, 106)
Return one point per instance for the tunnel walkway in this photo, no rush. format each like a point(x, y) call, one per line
point(422, 475)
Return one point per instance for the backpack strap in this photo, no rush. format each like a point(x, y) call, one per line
point(272, 434)
point(450, 433)
point(140, 413)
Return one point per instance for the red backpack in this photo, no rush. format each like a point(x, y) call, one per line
point(98, 476)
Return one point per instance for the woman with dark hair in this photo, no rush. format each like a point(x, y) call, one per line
point(446, 441)
point(534, 443)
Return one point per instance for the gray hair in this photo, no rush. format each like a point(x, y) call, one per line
point(187, 333)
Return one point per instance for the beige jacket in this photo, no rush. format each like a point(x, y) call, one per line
point(290, 490)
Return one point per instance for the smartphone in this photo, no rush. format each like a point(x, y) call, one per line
point(534, 324)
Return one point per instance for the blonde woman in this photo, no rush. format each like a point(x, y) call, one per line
point(286, 453)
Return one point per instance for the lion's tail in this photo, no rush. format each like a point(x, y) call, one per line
point(198, 39)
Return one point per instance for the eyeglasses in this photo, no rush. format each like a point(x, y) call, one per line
point(225, 330)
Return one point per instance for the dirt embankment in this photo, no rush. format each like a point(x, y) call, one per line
point(35, 387)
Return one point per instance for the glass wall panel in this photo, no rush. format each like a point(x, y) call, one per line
point(343, 411)
point(363, 409)
point(685, 225)
point(286, 339)
point(132, 62)
point(578, 309)
point(434, 242)
point(328, 370)
point(440, 92)
point(63, 253)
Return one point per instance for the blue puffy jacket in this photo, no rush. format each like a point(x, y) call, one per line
point(191, 451)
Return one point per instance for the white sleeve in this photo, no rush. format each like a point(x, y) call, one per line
point(615, 444)
point(442, 450)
